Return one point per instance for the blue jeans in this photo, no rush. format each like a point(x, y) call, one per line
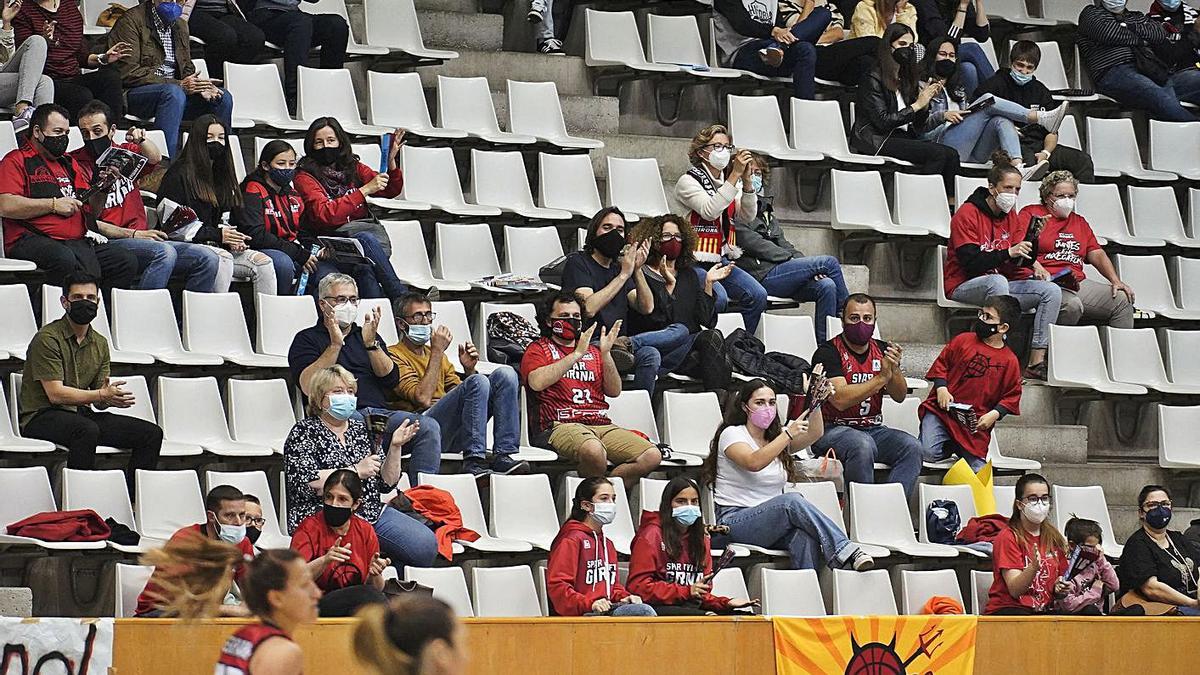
point(633, 609)
point(159, 260)
point(973, 67)
point(650, 350)
point(791, 522)
point(285, 269)
point(981, 132)
point(169, 106)
point(405, 540)
point(1133, 89)
point(1045, 295)
point(794, 279)
point(741, 287)
point(859, 449)
point(377, 280)
point(937, 444)
point(799, 58)
point(425, 449)
point(465, 410)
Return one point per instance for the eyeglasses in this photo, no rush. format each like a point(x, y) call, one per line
point(342, 299)
point(669, 237)
point(1150, 506)
point(1034, 499)
point(256, 522)
point(720, 146)
point(421, 316)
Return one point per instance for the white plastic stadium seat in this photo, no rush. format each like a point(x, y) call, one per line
point(523, 509)
point(505, 591)
point(254, 483)
point(1064, 11)
point(260, 412)
point(397, 100)
point(10, 439)
point(410, 259)
point(1053, 72)
point(258, 97)
point(279, 317)
point(1147, 275)
point(863, 593)
point(448, 583)
point(791, 593)
point(455, 238)
point(960, 495)
point(190, 411)
point(1114, 149)
point(213, 323)
point(858, 203)
point(431, 175)
point(394, 24)
point(621, 530)
point(727, 322)
point(19, 326)
point(453, 315)
point(689, 421)
point(103, 492)
point(635, 186)
point(466, 496)
point(534, 109)
point(1000, 461)
point(466, 103)
point(817, 125)
point(917, 587)
point(143, 409)
point(903, 416)
point(1177, 448)
point(568, 182)
point(1175, 147)
point(1076, 361)
point(921, 203)
point(144, 321)
point(791, 334)
point(498, 179)
point(338, 7)
point(1100, 204)
point(965, 185)
point(879, 515)
point(1185, 279)
point(675, 40)
point(981, 582)
point(92, 9)
point(1154, 213)
point(165, 501)
point(755, 123)
point(131, 580)
point(1086, 502)
point(528, 249)
point(486, 309)
point(1068, 133)
point(27, 492)
point(942, 299)
point(325, 92)
point(612, 39)
point(387, 321)
point(1133, 358)
point(730, 583)
point(1179, 349)
point(824, 496)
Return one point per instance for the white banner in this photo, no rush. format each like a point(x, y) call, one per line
point(56, 646)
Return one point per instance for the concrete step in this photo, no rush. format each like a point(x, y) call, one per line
point(459, 31)
point(567, 72)
point(459, 6)
point(1046, 443)
point(1037, 405)
point(585, 115)
point(671, 154)
point(1125, 519)
point(1121, 480)
point(906, 322)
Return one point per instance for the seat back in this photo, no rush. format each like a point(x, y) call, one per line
point(674, 39)
point(525, 310)
point(52, 310)
point(965, 185)
point(823, 495)
point(1186, 274)
point(523, 509)
point(131, 580)
point(324, 92)
point(19, 326)
point(165, 501)
point(143, 407)
point(632, 410)
point(409, 257)
point(461, 487)
point(568, 182)
point(755, 123)
point(790, 334)
point(650, 492)
point(498, 179)
point(857, 200)
point(190, 410)
point(1154, 212)
point(690, 421)
point(534, 109)
point(213, 323)
point(879, 513)
point(26, 491)
point(1176, 445)
point(1100, 204)
point(727, 322)
point(1075, 355)
point(1112, 143)
point(791, 593)
point(259, 411)
point(1068, 133)
point(921, 203)
point(466, 103)
point(730, 583)
point(1179, 349)
point(278, 318)
point(981, 583)
point(144, 321)
point(903, 415)
point(635, 186)
point(1149, 272)
point(431, 175)
point(817, 125)
point(392, 23)
point(917, 587)
point(1051, 70)
point(528, 249)
point(505, 591)
point(396, 100)
point(387, 320)
point(1083, 502)
point(257, 92)
point(1066, 11)
point(863, 593)
point(1175, 146)
point(959, 494)
point(1133, 355)
point(621, 529)
point(449, 585)
point(612, 38)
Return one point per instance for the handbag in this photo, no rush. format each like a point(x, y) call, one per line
point(1148, 64)
point(394, 588)
point(825, 468)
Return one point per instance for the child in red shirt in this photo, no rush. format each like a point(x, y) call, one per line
point(1029, 556)
point(975, 379)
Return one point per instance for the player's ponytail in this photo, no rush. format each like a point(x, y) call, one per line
point(392, 639)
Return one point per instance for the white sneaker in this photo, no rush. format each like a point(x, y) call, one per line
point(1035, 172)
point(553, 47)
point(1052, 119)
point(537, 9)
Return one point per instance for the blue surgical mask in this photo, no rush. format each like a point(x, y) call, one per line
point(1021, 78)
point(342, 406)
point(1114, 6)
point(686, 515)
point(1170, 5)
point(420, 332)
point(281, 177)
point(756, 182)
point(233, 534)
point(169, 12)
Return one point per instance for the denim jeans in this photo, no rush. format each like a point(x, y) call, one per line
point(465, 410)
point(1046, 296)
point(973, 67)
point(937, 444)
point(792, 522)
point(424, 450)
point(377, 280)
point(743, 289)
point(649, 350)
point(405, 540)
point(1131, 88)
point(159, 260)
point(794, 279)
point(633, 609)
point(671, 360)
point(799, 58)
point(169, 106)
point(981, 132)
point(860, 448)
point(285, 269)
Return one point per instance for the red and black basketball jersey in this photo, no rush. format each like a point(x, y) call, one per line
point(578, 396)
point(240, 647)
point(857, 369)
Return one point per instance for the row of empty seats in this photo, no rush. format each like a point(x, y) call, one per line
point(1123, 361)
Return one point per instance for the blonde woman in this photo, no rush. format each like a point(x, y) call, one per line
point(414, 635)
point(872, 17)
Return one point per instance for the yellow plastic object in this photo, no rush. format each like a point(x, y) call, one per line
point(980, 484)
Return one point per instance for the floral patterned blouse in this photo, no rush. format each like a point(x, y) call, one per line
point(312, 447)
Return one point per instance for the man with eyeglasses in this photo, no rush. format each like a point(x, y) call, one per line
point(428, 384)
point(337, 340)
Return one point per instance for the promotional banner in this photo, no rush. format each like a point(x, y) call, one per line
point(875, 645)
point(59, 646)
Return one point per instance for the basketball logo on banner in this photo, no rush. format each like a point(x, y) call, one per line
point(877, 645)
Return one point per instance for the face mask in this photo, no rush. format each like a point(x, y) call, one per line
point(335, 516)
point(719, 159)
point(858, 333)
point(81, 312)
point(1114, 6)
point(216, 149)
point(756, 183)
point(281, 177)
point(1170, 5)
point(56, 146)
point(342, 406)
point(253, 533)
point(945, 68)
point(762, 417)
point(420, 332)
point(985, 330)
point(1005, 201)
point(345, 313)
point(169, 12)
point(610, 243)
point(1159, 517)
point(1064, 206)
point(233, 534)
point(324, 155)
point(686, 515)
point(97, 146)
point(1020, 78)
point(671, 249)
point(567, 329)
point(604, 512)
point(904, 56)
point(1036, 513)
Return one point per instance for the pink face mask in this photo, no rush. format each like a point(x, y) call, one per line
point(762, 417)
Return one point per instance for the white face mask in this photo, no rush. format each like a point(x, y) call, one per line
point(1036, 513)
point(604, 512)
point(1064, 206)
point(1114, 6)
point(719, 159)
point(345, 313)
point(1006, 201)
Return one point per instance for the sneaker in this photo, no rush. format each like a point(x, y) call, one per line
point(433, 294)
point(625, 343)
point(1036, 171)
point(861, 562)
point(477, 466)
point(1035, 372)
point(21, 122)
point(622, 359)
point(537, 9)
point(507, 465)
point(1052, 119)
point(772, 56)
point(553, 47)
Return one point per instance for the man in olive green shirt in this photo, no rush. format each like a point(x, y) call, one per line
point(66, 374)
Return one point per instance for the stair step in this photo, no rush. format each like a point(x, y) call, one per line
point(1037, 405)
point(567, 72)
point(586, 115)
point(1122, 481)
point(458, 31)
point(459, 6)
point(906, 322)
point(670, 152)
point(1046, 443)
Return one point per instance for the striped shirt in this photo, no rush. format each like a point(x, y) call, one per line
point(1107, 40)
point(165, 36)
point(67, 51)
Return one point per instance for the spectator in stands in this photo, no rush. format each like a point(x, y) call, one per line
point(1119, 47)
point(976, 383)
point(328, 439)
point(123, 219)
point(23, 87)
point(959, 19)
point(202, 178)
point(581, 575)
point(1064, 245)
point(298, 32)
point(414, 634)
point(1087, 589)
point(756, 36)
point(281, 593)
point(670, 567)
point(1159, 565)
point(608, 276)
point(60, 25)
point(227, 35)
point(839, 58)
point(1038, 143)
point(428, 385)
point(201, 574)
point(976, 134)
point(569, 378)
point(862, 369)
point(548, 18)
point(341, 548)
point(717, 192)
point(873, 17)
point(1029, 556)
point(337, 339)
point(159, 77)
point(774, 262)
point(66, 375)
point(254, 518)
point(270, 216)
point(750, 462)
point(335, 185)
point(1179, 20)
point(892, 113)
point(225, 520)
point(44, 220)
point(991, 253)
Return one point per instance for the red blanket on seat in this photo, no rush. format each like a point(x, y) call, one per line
point(80, 525)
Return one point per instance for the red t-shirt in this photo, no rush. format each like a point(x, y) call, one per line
point(26, 173)
point(146, 601)
point(1063, 244)
point(971, 225)
point(313, 538)
point(978, 374)
point(1009, 554)
point(240, 647)
point(856, 368)
point(123, 207)
point(578, 396)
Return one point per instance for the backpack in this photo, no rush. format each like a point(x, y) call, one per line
point(942, 521)
point(508, 336)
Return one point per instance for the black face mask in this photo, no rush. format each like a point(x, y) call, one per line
point(56, 146)
point(324, 156)
point(904, 56)
point(81, 312)
point(944, 69)
point(97, 146)
point(253, 533)
point(610, 243)
point(335, 516)
point(985, 330)
point(216, 150)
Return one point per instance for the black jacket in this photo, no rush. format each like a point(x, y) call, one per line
point(272, 219)
point(878, 114)
point(763, 243)
point(174, 188)
point(690, 305)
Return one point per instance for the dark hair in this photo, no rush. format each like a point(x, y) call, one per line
point(347, 479)
point(345, 160)
point(1025, 50)
point(391, 638)
point(735, 415)
point(594, 224)
point(211, 181)
point(1145, 492)
point(858, 298)
point(401, 304)
point(267, 572)
point(697, 538)
point(222, 493)
point(894, 77)
point(953, 85)
point(1002, 165)
point(41, 114)
point(78, 278)
point(251, 499)
point(547, 309)
point(1007, 307)
point(1079, 529)
point(96, 107)
point(272, 149)
point(652, 228)
point(584, 493)
point(1050, 538)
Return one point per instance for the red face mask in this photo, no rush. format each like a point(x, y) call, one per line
point(671, 248)
point(567, 329)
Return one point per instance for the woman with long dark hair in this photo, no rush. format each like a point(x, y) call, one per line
point(1158, 564)
point(1030, 555)
point(413, 635)
point(748, 466)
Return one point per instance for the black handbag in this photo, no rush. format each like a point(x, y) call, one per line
point(1148, 64)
